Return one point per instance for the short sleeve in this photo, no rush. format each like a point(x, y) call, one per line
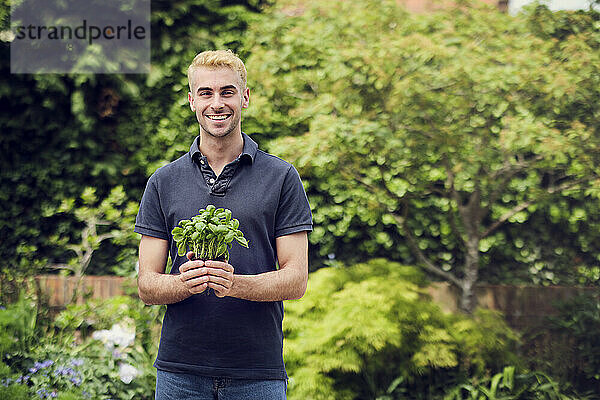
point(293, 212)
point(150, 220)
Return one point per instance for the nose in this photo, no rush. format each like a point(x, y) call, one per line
point(217, 103)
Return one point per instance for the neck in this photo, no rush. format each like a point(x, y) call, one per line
point(220, 151)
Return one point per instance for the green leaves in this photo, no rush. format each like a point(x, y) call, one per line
point(425, 123)
point(360, 327)
point(109, 219)
point(208, 234)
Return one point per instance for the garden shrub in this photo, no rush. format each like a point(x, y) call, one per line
point(97, 350)
point(484, 340)
point(18, 328)
point(370, 330)
point(508, 385)
point(9, 388)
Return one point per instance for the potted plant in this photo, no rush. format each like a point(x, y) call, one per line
point(209, 234)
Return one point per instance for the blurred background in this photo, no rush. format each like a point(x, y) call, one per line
point(451, 154)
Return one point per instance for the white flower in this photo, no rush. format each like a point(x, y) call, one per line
point(7, 36)
point(115, 336)
point(127, 372)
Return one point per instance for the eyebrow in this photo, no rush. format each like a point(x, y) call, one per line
point(223, 88)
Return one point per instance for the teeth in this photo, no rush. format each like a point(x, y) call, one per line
point(217, 117)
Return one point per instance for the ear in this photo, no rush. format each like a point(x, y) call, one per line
point(245, 98)
point(191, 101)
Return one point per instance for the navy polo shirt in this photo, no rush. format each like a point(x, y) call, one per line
point(226, 337)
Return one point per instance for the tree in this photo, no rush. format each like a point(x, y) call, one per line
point(107, 220)
point(443, 128)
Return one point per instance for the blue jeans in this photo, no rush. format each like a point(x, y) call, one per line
point(177, 386)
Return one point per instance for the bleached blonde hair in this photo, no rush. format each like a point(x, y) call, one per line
point(215, 59)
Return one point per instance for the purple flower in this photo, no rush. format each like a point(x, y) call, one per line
point(76, 380)
point(40, 365)
point(77, 362)
point(44, 394)
point(62, 371)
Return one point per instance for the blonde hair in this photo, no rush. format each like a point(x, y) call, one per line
point(218, 58)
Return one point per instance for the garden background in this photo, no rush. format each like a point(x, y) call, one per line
point(456, 146)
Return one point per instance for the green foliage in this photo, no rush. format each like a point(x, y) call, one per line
point(99, 314)
point(19, 330)
point(109, 219)
point(94, 370)
point(85, 354)
point(209, 234)
point(484, 340)
point(423, 137)
point(507, 385)
point(566, 344)
point(578, 326)
point(6, 378)
point(54, 143)
point(555, 246)
point(369, 329)
point(61, 132)
point(10, 390)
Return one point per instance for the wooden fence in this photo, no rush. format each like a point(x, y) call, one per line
point(522, 306)
point(59, 290)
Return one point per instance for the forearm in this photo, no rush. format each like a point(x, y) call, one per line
point(160, 288)
point(154, 285)
point(283, 284)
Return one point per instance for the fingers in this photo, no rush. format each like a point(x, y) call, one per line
point(199, 288)
point(194, 278)
point(199, 275)
point(192, 264)
point(219, 265)
point(220, 277)
point(193, 275)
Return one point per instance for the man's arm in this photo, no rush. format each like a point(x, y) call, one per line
point(288, 282)
point(156, 287)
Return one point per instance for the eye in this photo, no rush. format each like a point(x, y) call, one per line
point(204, 93)
point(228, 93)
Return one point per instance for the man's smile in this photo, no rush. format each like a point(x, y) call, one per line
point(218, 117)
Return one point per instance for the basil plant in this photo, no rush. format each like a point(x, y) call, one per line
point(209, 234)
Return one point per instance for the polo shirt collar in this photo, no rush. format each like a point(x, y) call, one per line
point(248, 152)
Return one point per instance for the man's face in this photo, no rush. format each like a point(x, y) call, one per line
point(217, 98)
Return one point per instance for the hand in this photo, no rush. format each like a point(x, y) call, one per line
point(220, 277)
point(194, 274)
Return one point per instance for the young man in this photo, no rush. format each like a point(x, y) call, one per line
point(226, 344)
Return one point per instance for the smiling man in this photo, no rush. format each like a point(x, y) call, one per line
point(226, 343)
point(216, 101)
